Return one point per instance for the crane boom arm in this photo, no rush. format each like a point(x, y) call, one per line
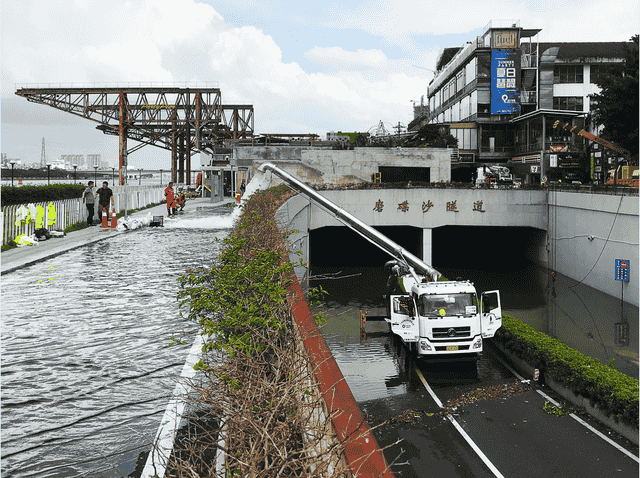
point(603, 142)
point(366, 231)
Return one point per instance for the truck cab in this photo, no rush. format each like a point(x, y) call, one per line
point(445, 319)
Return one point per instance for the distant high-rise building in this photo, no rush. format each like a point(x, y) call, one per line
point(94, 160)
point(68, 160)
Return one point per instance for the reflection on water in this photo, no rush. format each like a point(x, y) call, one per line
point(371, 365)
point(86, 365)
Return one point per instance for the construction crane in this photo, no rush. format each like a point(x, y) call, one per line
point(180, 119)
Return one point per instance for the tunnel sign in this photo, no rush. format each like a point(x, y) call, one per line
point(622, 270)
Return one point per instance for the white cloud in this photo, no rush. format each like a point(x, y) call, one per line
point(574, 20)
point(347, 60)
point(180, 40)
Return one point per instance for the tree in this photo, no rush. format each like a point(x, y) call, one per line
point(617, 103)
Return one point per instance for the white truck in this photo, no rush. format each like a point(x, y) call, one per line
point(493, 176)
point(439, 319)
point(435, 318)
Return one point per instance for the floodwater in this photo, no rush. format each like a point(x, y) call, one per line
point(578, 315)
point(87, 366)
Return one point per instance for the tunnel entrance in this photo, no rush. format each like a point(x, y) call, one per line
point(468, 247)
point(485, 247)
point(340, 246)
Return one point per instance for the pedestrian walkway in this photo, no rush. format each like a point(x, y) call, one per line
point(17, 258)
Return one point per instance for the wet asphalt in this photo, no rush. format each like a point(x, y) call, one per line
point(513, 430)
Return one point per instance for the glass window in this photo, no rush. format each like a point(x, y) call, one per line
point(460, 80)
point(470, 71)
point(569, 103)
point(568, 74)
point(446, 305)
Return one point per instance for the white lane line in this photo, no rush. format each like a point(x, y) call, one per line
point(575, 417)
point(547, 397)
point(605, 438)
point(467, 438)
point(431, 392)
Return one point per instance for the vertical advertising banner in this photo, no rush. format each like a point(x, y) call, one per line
point(505, 81)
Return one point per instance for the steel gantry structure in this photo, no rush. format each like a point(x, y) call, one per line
point(180, 119)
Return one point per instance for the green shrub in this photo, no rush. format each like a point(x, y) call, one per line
point(241, 302)
point(612, 391)
point(34, 194)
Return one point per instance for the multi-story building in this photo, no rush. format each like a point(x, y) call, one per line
point(513, 101)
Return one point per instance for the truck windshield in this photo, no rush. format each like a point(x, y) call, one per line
point(443, 305)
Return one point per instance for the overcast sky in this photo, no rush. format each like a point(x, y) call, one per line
point(305, 68)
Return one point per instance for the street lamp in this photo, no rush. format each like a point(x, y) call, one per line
point(161, 176)
point(139, 177)
point(48, 174)
point(113, 176)
point(95, 175)
point(75, 173)
point(13, 163)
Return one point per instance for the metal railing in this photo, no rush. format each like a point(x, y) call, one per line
point(73, 211)
point(67, 213)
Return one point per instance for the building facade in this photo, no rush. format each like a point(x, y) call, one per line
point(514, 101)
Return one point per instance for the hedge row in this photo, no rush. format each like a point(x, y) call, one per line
point(33, 194)
point(612, 391)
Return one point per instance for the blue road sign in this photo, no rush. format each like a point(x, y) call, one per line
point(622, 270)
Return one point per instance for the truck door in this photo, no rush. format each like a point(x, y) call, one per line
point(403, 321)
point(490, 313)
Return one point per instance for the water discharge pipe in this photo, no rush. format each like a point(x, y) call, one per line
point(366, 231)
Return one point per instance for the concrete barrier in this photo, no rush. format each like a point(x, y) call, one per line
point(361, 451)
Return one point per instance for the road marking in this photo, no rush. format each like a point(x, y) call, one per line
point(605, 438)
point(467, 438)
point(431, 392)
point(575, 417)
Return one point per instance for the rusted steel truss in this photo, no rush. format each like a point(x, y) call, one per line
point(182, 120)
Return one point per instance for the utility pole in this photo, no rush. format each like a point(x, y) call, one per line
point(43, 159)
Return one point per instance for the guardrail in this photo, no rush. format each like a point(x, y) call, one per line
point(72, 211)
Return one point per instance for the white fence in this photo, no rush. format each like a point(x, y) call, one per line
point(72, 211)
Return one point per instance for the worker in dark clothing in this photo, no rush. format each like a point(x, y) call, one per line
point(171, 201)
point(106, 199)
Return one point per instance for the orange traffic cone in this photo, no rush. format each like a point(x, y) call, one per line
point(104, 218)
point(114, 219)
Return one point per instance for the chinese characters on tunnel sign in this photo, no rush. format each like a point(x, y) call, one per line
point(505, 81)
point(622, 270)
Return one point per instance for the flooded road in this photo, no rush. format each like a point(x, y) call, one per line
point(87, 366)
point(508, 434)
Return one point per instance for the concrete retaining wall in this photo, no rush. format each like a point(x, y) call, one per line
point(588, 232)
point(322, 165)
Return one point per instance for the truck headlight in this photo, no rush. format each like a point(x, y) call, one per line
point(424, 345)
point(477, 344)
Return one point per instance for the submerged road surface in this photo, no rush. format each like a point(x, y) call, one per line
point(87, 366)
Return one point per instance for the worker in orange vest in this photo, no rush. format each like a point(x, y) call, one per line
point(171, 201)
